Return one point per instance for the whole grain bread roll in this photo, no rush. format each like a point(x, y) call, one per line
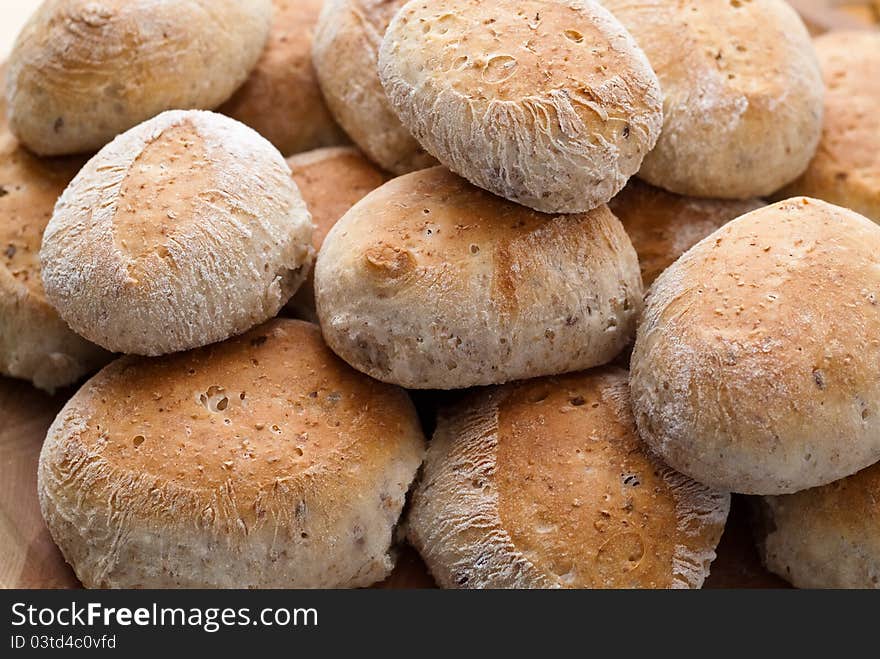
point(825, 537)
point(846, 168)
point(345, 53)
point(83, 71)
point(663, 225)
point(546, 484)
point(281, 98)
point(755, 366)
point(183, 231)
point(261, 462)
point(35, 344)
point(331, 181)
point(431, 283)
point(549, 104)
point(742, 94)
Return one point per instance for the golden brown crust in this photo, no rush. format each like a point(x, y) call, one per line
point(265, 452)
point(183, 231)
point(549, 104)
point(755, 366)
point(846, 168)
point(331, 181)
point(825, 537)
point(281, 99)
point(742, 94)
point(345, 53)
point(430, 282)
point(35, 343)
point(663, 225)
point(545, 484)
point(82, 72)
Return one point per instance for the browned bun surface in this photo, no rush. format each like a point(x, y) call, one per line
point(263, 461)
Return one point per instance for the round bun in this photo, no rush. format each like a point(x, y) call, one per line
point(545, 484)
point(755, 366)
point(261, 462)
point(846, 169)
point(663, 225)
point(35, 344)
point(549, 104)
point(181, 232)
point(345, 52)
point(825, 537)
point(331, 181)
point(82, 72)
point(431, 283)
point(742, 94)
point(281, 99)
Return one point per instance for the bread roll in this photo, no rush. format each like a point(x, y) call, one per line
point(261, 462)
point(35, 344)
point(755, 366)
point(742, 94)
point(825, 537)
point(846, 168)
point(83, 71)
point(345, 51)
point(663, 225)
point(549, 104)
point(545, 484)
point(281, 99)
point(431, 283)
point(331, 181)
point(183, 231)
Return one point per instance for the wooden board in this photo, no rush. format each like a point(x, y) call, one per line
point(28, 558)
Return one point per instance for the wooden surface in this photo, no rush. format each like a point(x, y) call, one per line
point(28, 558)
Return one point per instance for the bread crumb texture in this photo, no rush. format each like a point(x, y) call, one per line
point(755, 366)
point(742, 94)
point(430, 282)
point(549, 104)
point(181, 232)
point(546, 484)
point(260, 462)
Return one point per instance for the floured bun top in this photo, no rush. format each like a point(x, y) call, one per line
point(549, 104)
point(263, 461)
point(755, 364)
point(431, 283)
point(181, 232)
point(742, 94)
point(345, 54)
point(546, 484)
point(83, 71)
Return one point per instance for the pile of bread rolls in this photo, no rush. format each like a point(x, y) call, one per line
point(637, 241)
